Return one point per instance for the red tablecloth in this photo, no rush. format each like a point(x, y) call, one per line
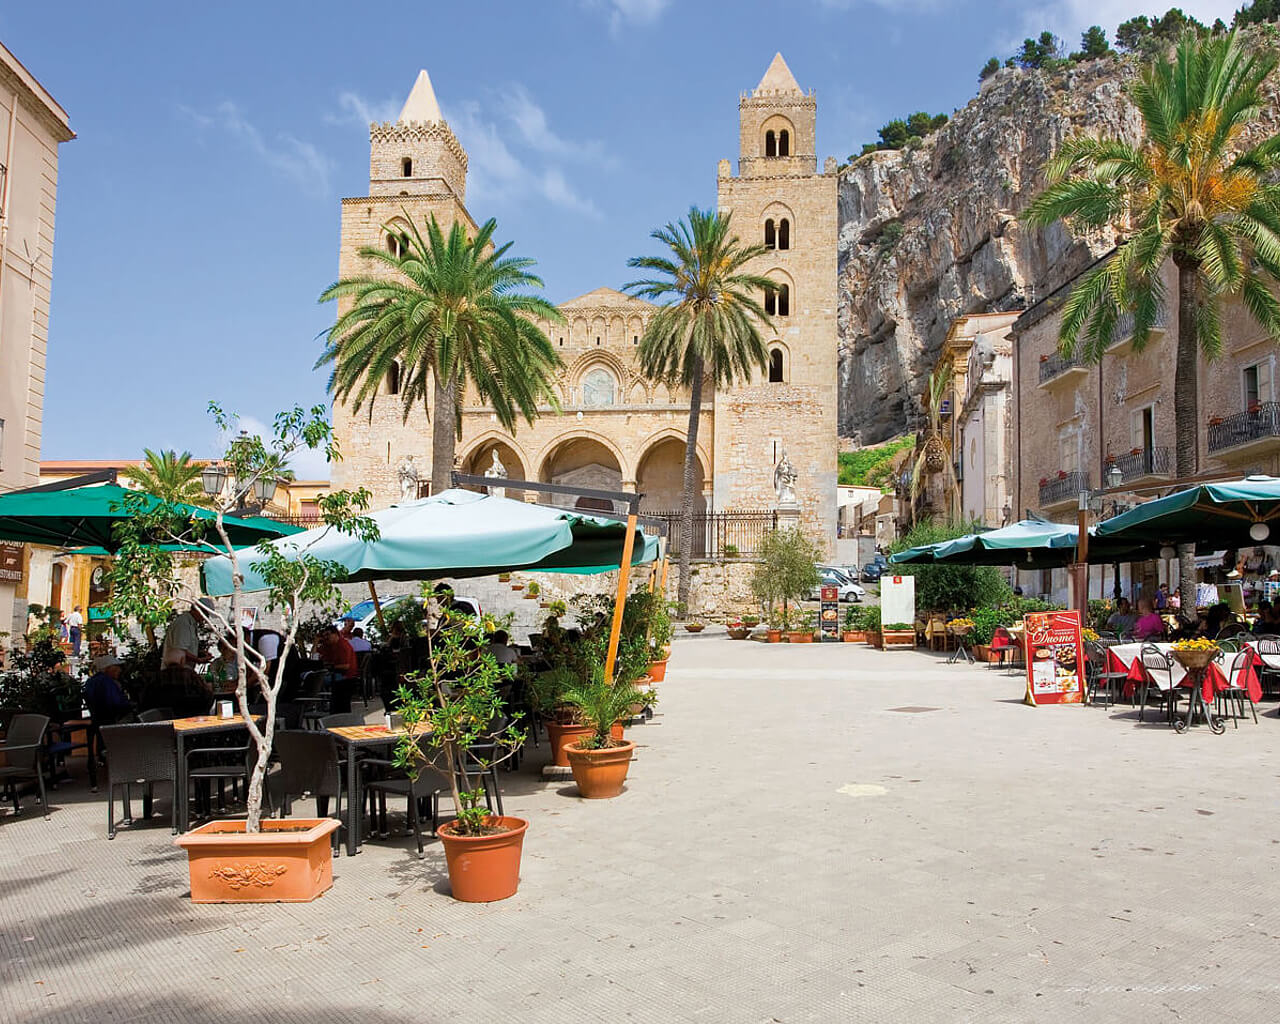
point(1213, 681)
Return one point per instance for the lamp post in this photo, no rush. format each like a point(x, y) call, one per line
point(213, 479)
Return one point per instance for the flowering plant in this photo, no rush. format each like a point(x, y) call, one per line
point(1198, 644)
point(960, 625)
point(1089, 634)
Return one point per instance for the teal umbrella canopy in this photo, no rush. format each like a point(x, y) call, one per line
point(87, 516)
point(1028, 544)
point(455, 533)
point(1233, 514)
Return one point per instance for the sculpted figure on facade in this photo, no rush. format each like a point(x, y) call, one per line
point(408, 474)
point(496, 471)
point(784, 481)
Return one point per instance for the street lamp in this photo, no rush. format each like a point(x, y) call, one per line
point(264, 489)
point(213, 478)
point(1114, 476)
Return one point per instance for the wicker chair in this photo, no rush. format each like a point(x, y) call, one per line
point(23, 749)
point(140, 754)
point(309, 763)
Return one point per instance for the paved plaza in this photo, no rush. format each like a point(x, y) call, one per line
point(809, 834)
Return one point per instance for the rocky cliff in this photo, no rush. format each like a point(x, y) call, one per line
point(931, 233)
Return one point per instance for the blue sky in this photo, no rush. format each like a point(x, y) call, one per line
point(198, 208)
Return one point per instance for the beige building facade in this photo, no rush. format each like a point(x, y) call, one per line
point(32, 126)
point(614, 429)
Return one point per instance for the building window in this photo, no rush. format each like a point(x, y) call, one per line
point(775, 366)
point(784, 234)
point(597, 340)
point(635, 339)
point(770, 235)
point(598, 388)
point(397, 245)
point(784, 143)
point(777, 301)
point(1256, 382)
point(406, 168)
point(393, 379)
point(770, 143)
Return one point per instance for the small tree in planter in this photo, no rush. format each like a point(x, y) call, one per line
point(146, 585)
point(599, 760)
point(454, 719)
point(787, 570)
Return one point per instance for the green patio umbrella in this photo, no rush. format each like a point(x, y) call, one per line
point(86, 517)
point(1232, 514)
point(455, 533)
point(1028, 544)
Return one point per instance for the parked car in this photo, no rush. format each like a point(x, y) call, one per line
point(832, 577)
point(871, 572)
point(365, 614)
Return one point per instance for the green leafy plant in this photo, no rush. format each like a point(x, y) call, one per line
point(852, 619)
point(558, 609)
point(943, 587)
point(731, 551)
point(787, 570)
point(36, 679)
point(898, 627)
point(599, 703)
point(533, 589)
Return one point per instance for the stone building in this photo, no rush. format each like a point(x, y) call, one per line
point(982, 418)
point(32, 125)
point(616, 429)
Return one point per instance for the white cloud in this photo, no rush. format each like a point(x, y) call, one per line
point(628, 12)
point(531, 122)
point(356, 109)
point(290, 157)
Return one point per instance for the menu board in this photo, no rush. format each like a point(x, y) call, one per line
point(829, 616)
point(1055, 658)
point(11, 563)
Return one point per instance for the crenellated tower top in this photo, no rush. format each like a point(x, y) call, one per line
point(417, 154)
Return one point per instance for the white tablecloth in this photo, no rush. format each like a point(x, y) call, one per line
point(1127, 653)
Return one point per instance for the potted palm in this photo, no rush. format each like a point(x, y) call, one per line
point(660, 631)
point(454, 720)
point(599, 760)
point(250, 860)
point(546, 697)
point(532, 591)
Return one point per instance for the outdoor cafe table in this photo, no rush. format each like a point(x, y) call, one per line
point(200, 725)
point(355, 737)
point(1127, 658)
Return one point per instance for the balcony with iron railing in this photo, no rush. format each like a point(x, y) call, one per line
point(1123, 332)
point(1064, 487)
point(1144, 462)
point(1058, 367)
point(1248, 432)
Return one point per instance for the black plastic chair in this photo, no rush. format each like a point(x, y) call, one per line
point(388, 779)
point(340, 720)
point(141, 754)
point(23, 748)
point(309, 763)
point(230, 762)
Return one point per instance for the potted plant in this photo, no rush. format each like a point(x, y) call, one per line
point(248, 860)
point(557, 609)
point(751, 621)
point(532, 591)
point(773, 633)
point(454, 701)
point(786, 572)
point(853, 632)
point(898, 634)
point(738, 630)
point(517, 585)
point(599, 761)
point(694, 624)
point(731, 551)
point(504, 577)
point(870, 619)
point(546, 692)
point(806, 623)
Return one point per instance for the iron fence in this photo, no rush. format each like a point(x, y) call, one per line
point(1260, 420)
point(1146, 462)
point(734, 534)
point(1062, 487)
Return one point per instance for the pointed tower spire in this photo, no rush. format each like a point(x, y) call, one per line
point(421, 106)
point(777, 79)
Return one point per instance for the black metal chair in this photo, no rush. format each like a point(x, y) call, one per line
point(340, 720)
point(1231, 701)
point(388, 779)
point(309, 763)
point(1268, 647)
point(230, 762)
point(140, 754)
point(156, 715)
point(1158, 670)
point(1099, 678)
point(23, 749)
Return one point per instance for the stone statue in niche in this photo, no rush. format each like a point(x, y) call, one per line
point(496, 471)
point(784, 482)
point(408, 474)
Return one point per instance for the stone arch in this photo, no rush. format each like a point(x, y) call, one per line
point(783, 134)
point(779, 214)
point(589, 360)
point(660, 473)
point(638, 395)
point(478, 457)
point(578, 336)
point(584, 458)
point(779, 363)
point(780, 301)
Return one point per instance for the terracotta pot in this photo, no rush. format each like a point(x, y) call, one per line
point(227, 865)
point(517, 586)
point(483, 869)
point(658, 670)
point(853, 636)
point(739, 633)
point(982, 652)
point(561, 736)
point(615, 731)
point(600, 774)
point(799, 637)
point(873, 638)
point(773, 636)
point(693, 627)
point(898, 637)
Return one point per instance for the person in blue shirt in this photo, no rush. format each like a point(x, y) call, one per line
point(103, 694)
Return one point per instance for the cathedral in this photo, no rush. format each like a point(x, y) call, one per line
point(616, 430)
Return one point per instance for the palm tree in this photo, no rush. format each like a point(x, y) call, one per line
point(709, 328)
point(169, 476)
point(1190, 191)
point(447, 312)
point(933, 456)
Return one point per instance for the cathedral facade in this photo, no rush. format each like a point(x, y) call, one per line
point(615, 429)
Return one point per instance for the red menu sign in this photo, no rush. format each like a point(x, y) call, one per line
point(1055, 658)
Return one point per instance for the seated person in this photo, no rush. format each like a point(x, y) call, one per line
point(500, 647)
point(1122, 619)
point(335, 651)
point(1149, 625)
point(358, 643)
point(105, 697)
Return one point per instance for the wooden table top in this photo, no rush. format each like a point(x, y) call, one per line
point(200, 723)
point(373, 733)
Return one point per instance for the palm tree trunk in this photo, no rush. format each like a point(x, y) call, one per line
point(1185, 424)
point(690, 483)
point(444, 436)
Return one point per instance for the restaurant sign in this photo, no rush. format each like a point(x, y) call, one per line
point(10, 563)
point(829, 616)
point(1055, 658)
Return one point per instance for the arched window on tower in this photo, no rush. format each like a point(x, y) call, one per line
point(775, 366)
point(784, 300)
point(770, 235)
point(784, 143)
point(393, 379)
point(396, 244)
point(784, 234)
point(406, 167)
point(770, 143)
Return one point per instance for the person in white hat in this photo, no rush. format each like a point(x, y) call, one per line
point(103, 694)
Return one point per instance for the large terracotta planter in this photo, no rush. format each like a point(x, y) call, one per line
point(227, 865)
point(898, 638)
point(739, 633)
point(853, 636)
point(561, 736)
point(615, 731)
point(658, 670)
point(799, 637)
point(484, 869)
point(773, 636)
point(600, 774)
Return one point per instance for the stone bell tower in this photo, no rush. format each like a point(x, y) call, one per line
point(417, 169)
point(779, 199)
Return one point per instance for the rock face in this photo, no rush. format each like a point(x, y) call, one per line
point(931, 233)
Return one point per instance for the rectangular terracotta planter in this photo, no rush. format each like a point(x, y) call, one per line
point(899, 638)
point(271, 866)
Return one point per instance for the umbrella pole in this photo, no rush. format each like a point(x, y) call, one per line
point(377, 607)
point(620, 602)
